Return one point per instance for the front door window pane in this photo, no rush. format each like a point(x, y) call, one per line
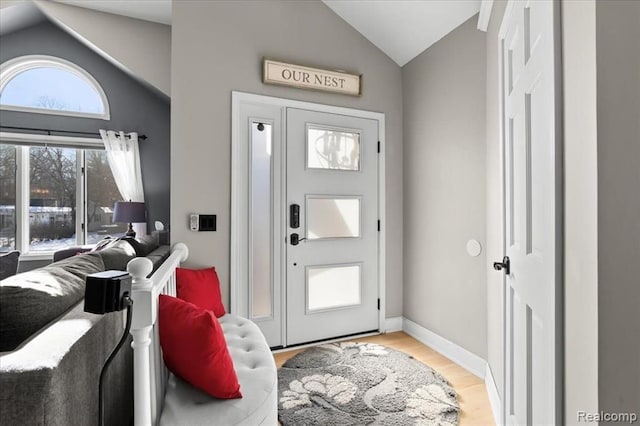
point(333, 217)
point(102, 193)
point(333, 287)
point(332, 149)
point(7, 198)
point(52, 198)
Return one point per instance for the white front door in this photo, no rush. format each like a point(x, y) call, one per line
point(325, 160)
point(332, 226)
point(532, 222)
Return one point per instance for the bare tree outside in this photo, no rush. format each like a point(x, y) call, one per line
point(51, 103)
point(7, 197)
point(99, 177)
point(102, 193)
point(53, 207)
point(52, 179)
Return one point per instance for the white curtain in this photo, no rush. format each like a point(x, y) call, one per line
point(124, 159)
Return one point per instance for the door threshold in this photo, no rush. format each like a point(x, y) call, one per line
point(278, 349)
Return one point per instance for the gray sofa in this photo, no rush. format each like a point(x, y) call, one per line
point(52, 352)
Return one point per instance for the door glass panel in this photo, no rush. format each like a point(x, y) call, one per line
point(333, 287)
point(332, 149)
point(261, 220)
point(52, 201)
point(333, 217)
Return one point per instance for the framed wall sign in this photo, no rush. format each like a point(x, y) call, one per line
point(303, 77)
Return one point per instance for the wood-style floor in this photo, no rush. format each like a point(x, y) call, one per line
point(472, 394)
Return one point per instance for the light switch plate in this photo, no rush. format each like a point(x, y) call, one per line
point(202, 222)
point(194, 222)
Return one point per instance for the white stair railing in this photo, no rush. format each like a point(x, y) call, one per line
point(149, 372)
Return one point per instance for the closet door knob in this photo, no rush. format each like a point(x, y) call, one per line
point(505, 265)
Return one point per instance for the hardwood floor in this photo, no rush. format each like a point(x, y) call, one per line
point(472, 395)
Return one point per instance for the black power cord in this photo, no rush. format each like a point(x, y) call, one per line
point(128, 302)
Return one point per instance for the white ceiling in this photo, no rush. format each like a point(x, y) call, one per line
point(400, 28)
point(404, 28)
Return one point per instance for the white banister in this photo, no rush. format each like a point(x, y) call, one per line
point(142, 377)
point(148, 390)
point(143, 316)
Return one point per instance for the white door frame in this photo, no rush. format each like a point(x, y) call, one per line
point(239, 203)
point(559, 204)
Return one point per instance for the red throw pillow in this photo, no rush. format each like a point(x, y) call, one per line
point(194, 348)
point(200, 287)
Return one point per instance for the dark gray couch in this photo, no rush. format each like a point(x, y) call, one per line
point(52, 351)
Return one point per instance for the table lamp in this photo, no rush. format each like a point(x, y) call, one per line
point(129, 212)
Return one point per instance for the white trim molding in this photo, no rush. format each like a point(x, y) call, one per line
point(50, 140)
point(485, 14)
point(392, 325)
point(467, 360)
point(494, 395)
point(454, 352)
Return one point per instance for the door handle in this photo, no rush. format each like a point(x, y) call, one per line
point(295, 239)
point(505, 265)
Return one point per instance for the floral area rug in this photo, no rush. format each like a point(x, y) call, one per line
point(351, 383)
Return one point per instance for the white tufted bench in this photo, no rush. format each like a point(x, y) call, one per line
point(162, 398)
point(257, 374)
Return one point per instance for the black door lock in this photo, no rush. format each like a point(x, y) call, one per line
point(294, 216)
point(295, 239)
point(504, 265)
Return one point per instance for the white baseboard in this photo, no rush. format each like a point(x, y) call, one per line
point(455, 353)
point(494, 396)
point(392, 324)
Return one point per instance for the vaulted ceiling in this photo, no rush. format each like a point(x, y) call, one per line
point(402, 29)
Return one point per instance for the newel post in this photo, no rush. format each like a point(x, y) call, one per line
point(143, 318)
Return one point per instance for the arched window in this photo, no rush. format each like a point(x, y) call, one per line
point(50, 85)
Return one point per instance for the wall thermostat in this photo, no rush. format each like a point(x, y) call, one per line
point(202, 222)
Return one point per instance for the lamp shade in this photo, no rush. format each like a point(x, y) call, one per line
point(129, 212)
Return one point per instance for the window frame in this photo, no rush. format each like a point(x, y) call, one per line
point(13, 67)
point(23, 142)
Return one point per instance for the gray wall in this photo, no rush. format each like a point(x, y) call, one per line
point(218, 47)
point(580, 208)
point(141, 48)
point(618, 94)
point(444, 188)
point(495, 237)
point(134, 108)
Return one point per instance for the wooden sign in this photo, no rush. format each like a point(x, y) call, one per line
point(310, 78)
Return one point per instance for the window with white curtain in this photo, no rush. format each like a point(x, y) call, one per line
point(52, 197)
point(60, 194)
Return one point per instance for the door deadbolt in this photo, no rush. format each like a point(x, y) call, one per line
point(294, 216)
